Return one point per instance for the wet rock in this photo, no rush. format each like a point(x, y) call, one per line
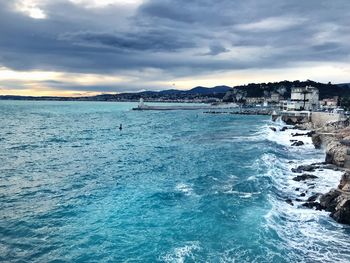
point(284, 128)
point(298, 200)
point(298, 143)
point(316, 141)
point(305, 168)
point(298, 134)
point(302, 194)
point(329, 200)
point(311, 205)
point(310, 133)
point(289, 201)
point(297, 189)
point(331, 167)
point(273, 129)
point(304, 177)
point(313, 198)
point(342, 210)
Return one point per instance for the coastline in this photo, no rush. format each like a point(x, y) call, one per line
point(334, 139)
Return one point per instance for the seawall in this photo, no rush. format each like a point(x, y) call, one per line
point(320, 119)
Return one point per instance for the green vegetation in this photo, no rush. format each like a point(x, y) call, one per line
point(328, 90)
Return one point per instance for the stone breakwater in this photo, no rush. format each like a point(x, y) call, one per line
point(335, 139)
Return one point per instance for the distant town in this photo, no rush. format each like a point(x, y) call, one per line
point(286, 95)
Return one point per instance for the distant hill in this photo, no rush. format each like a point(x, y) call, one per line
point(171, 94)
point(197, 90)
point(347, 85)
point(228, 94)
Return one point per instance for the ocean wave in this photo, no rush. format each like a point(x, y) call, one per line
point(183, 253)
point(184, 188)
point(299, 228)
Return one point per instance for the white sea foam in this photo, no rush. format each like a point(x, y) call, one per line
point(180, 254)
point(184, 188)
point(310, 235)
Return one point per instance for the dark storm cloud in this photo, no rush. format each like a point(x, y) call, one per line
point(168, 35)
point(154, 40)
point(216, 50)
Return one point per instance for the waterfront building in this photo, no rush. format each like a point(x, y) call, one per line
point(254, 100)
point(276, 97)
point(304, 98)
point(329, 103)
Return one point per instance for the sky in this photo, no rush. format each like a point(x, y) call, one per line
point(88, 47)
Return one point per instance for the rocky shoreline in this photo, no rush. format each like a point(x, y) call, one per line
point(335, 139)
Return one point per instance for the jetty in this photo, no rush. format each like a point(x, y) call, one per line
point(142, 106)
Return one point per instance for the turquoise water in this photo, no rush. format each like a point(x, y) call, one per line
point(172, 186)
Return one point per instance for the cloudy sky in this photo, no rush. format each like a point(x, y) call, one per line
point(82, 47)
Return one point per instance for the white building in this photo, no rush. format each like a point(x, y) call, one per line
point(329, 104)
point(305, 98)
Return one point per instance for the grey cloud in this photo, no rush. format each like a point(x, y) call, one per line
point(168, 35)
point(154, 40)
point(216, 50)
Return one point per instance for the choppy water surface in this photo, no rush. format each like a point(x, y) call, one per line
point(174, 186)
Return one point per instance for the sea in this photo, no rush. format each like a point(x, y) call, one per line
point(171, 186)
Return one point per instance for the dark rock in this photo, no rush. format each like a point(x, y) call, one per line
point(313, 198)
point(342, 212)
point(316, 205)
point(304, 177)
point(306, 168)
point(284, 128)
point(297, 189)
point(331, 167)
point(298, 134)
point(310, 134)
point(289, 201)
point(316, 140)
point(329, 200)
point(298, 143)
point(345, 142)
point(290, 162)
point(273, 129)
point(289, 121)
point(302, 194)
point(298, 200)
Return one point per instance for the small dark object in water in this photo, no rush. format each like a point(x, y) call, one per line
point(284, 128)
point(302, 194)
point(297, 189)
point(273, 129)
point(120, 127)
